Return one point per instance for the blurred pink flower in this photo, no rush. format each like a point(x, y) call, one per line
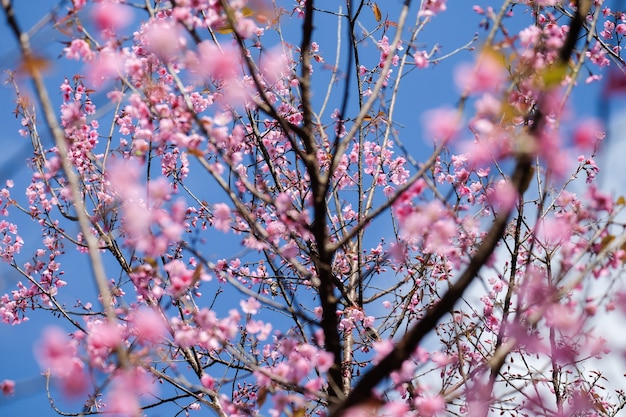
point(275, 65)
point(163, 38)
point(148, 325)
point(207, 381)
point(181, 278)
point(421, 59)
point(108, 65)
point(127, 387)
point(221, 217)
point(75, 383)
point(441, 124)
point(109, 15)
point(55, 351)
point(7, 387)
point(79, 49)
point(502, 196)
point(487, 74)
point(553, 231)
point(382, 349)
point(432, 7)
point(430, 406)
point(211, 61)
point(588, 134)
point(58, 353)
point(250, 306)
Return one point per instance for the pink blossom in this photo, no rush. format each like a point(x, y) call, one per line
point(7, 387)
point(274, 65)
point(221, 64)
point(79, 49)
point(250, 306)
point(529, 36)
point(56, 351)
point(149, 224)
point(382, 349)
point(148, 325)
point(593, 78)
point(314, 385)
point(123, 176)
point(478, 400)
point(440, 235)
point(421, 59)
point(367, 408)
point(126, 388)
point(107, 65)
point(487, 74)
point(502, 196)
point(432, 7)
point(75, 382)
point(441, 359)
point(181, 278)
point(324, 361)
point(430, 406)
point(441, 124)
point(109, 15)
point(221, 217)
point(534, 291)
point(588, 134)
point(405, 374)
point(246, 28)
point(207, 381)
point(104, 335)
point(599, 200)
point(163, 38)
point(562, 318)
point(548, 3)
point(395, 409)
point(259, 328)
point(553, 231)
point(430, 222)
point(597, 346)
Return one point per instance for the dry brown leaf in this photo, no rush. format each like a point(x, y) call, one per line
point(377, 14)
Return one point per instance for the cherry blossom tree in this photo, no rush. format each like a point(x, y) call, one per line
point(270, 234)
